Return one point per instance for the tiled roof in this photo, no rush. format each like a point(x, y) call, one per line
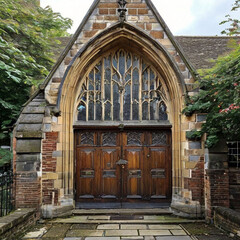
point(201, 50)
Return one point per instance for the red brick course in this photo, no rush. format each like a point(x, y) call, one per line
point(196, 182)
point(216, 190)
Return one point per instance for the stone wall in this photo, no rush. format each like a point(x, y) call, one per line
point(234, 188)
point(227, 219)
point(48, 168)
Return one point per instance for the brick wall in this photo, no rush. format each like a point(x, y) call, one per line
point(28, 189)
point(195, 184)
point(216, 190)
point(234, 188)
point(49, 145)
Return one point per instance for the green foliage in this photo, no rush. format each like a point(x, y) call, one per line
point(27, 36)
point(5, 157)
point(194, 135)
point(234, 23)
point(219, 96)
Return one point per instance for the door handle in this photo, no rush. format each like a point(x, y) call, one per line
point(122, 162)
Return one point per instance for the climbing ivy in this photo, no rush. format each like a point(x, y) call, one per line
point(219, 96)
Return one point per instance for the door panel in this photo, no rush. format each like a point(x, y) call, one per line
point(110, 173)
point(143, 174)
point(86, 173)
point(157, 173)
point(134, 188)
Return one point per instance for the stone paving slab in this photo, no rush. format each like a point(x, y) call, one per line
point(134, 226)
point(75, 219)
point(131, 238)
point(57, 231)
point(84, 226)
point(84, 233)
point(149, 238)
point(36, 234)
point(119, 233)
point(108, 226)
point(102, 238)
point(175, 238)
point(178, 232)
point(154, 233)
point(98, 217)
point(163, 226)
point(72, 238)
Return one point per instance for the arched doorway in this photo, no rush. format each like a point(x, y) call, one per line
point(122, 134)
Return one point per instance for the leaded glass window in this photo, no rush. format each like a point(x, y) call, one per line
point(122, 87)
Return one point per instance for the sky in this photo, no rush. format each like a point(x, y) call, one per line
point(185, 17)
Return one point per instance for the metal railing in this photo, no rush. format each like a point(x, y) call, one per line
point(6, 193)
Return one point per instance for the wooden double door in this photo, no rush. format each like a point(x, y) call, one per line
point(123, 166)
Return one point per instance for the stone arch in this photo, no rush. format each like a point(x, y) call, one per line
point(136, 40)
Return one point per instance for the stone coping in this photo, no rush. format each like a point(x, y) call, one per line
point(13, 219)
point(229, 214)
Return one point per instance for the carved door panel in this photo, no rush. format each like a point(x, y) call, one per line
point(86, 173)
point(125, 166)
point(110, 172)
point(133, 172)
point(159, 165)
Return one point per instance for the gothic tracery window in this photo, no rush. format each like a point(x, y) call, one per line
point(122, 87)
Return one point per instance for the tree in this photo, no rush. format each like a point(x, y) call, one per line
point(28, 35)
point(219, 96)
point(234, 23)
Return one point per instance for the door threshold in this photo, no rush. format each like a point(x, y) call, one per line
point(150, 211)
point(126, 205)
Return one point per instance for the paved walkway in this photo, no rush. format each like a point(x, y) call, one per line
point(104, 227)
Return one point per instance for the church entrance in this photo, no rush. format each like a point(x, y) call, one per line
point(116, 168)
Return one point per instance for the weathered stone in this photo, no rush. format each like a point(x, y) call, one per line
point(34, 110)
point(27, 166)
point(193, 158)
point(178, 232)
point(174, 238)
point(84, 233)
point(108, 226)
point(154, 232)
point(37, 134)
point(31, 118)
point(113, 233)
point(133, 226)
point(28, 146)
point(29, 127)
point(201, 117)
point(195, 145)
point(28, 158)
point(57, 231)
point(36, 234)
point(163, 226)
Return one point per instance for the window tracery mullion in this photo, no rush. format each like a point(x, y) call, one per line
point(131, 92)
point(111, 86)
point(102, 89)
point(118, 86)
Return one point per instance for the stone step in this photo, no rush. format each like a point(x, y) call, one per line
point(154, 211)
point(108, 219)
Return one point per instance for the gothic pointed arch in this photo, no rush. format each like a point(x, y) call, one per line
point(85, 67)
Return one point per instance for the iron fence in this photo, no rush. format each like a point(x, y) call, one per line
point(6, 193)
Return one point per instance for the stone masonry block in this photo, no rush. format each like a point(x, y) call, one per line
point(29, 127)
point(34, 110)
point(31, 118)
point(157, 34)
point(28, 158)
point(193, 158)
point(195, 145)
point(27, 166)
point(28, 146)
